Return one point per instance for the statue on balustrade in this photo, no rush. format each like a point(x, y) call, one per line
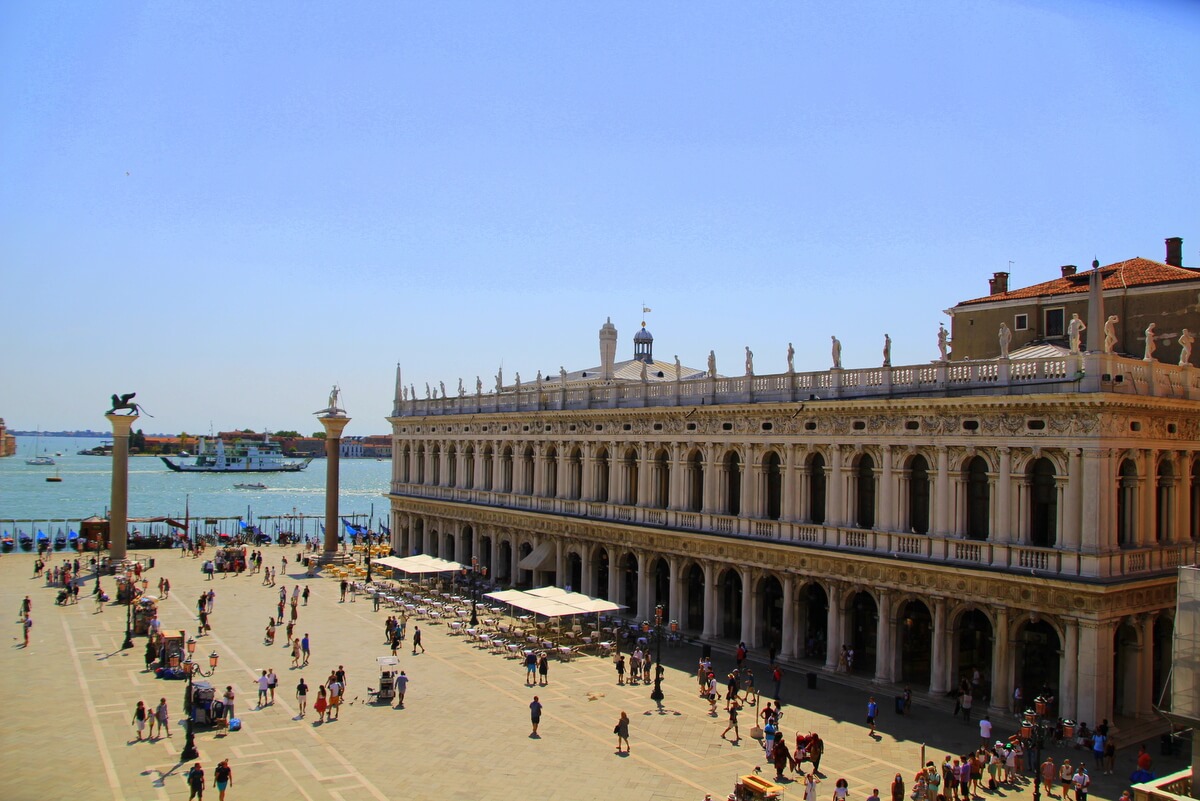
point(836, 352)
point(887, 350)
point(749, 361)
point(791, 358)
point(1150, 346)
point(712, 364)
point(943, 340)
point(1185, 348)
point(1005, 340)
point(1110, 333)
point(678, 369)
point(1075, 329)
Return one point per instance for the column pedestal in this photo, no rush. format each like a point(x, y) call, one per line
point(334, 425)
point(118, 523)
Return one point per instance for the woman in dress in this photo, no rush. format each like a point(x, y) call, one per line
point(139, 719)
point(223, 777)
point(810, 787)
point(622, 732)
point(296, 652)
point(321, 705)
point(898, 788)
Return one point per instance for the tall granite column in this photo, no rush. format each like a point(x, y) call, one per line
point(118, 525)
point(334, 425)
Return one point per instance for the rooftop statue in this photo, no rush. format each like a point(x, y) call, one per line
point(125, 402)
point(332, 410)
point(478, 385)
point(442, 384)
point(943, 343)
point(887, 350)
point(1075, 329)
point(678, 369)
point(1005, 336)
point(1185, 343)
point(836, 352)
point(749, 361)
point(1110, 333)
point(1149, 354)
point(562, 374)
point(791, 358)
point(712, 364)
point(461, 389)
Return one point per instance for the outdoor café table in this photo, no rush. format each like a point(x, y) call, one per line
point(456, 627)
point(513, 650)
point(606, 647)
point(564, 652)
point(485, 641)
point(473, 634)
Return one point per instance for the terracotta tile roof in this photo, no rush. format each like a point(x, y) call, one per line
point(1124, 274)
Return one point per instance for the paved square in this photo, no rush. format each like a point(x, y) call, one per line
point(464, 731)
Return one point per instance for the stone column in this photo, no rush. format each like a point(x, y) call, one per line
point(748, 629)
point(333, 425)
point(1094, 491)
point(674, 588)
point(1070, 668)
point(1146, 531)
point(787, 485)
point(643, 586)
point(833, 626)
point(787, 648)
point(937, 678)
point(710, 600)
point(1002, 531)
point(835, 513)
point(941, 493)
point(884, 658)
point(885, 520)
point(1072, 500)
point(118, 516)
point(1095, 671)
point(1145, 670)
point(587, 580)
point(1001, 669)
point(614, 578)
point(750, 484)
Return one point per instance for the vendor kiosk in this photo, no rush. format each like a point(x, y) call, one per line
point(388, 670)
point(144, 610)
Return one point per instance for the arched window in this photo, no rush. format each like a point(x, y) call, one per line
point(452, 466)
point(526, 487)
point(436, 465)
point(421, 464)
point(1043, 504)
point(1164, 502)
point(574, 474)
point(550, 474)
point(469, 467)
point(695, 482)
point(864, 475)
point(629, 465)
point(602, 476)
point(918, 495)
point(733, 484)
point(506, 469)
point(662, 480)
point(816, 489)
point(978, 499)
point(1127, 487)
point(773, 486)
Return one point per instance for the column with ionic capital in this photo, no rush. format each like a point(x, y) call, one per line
point(1002, 531)
point(941, 493)
point(748, 628)
point(884, 657)
point(674, 589)
point(643, 585)
point(1001, 668)
point(937, 678)
point(118, 522)
point(835, 512)
point(787, 648)
point(710, 600)
point(587, 581)
point(614, 576)
point(1070, 668)
point(833, 625)
point(1072, 499)
point(886, 519)
point(787, 485)
point(333, 424)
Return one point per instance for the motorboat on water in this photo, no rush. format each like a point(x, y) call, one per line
point(40, 460)
point(255, 486)
point(105, 448)
point(241, 456)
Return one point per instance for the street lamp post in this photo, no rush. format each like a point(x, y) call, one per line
point(474, 591)
point(368, 557)
point(656, 695)
point(192, 669)
point(128, 614)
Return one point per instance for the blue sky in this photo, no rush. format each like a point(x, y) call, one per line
point(228, 207)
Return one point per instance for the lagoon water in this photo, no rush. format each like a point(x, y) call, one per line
point(156, 491)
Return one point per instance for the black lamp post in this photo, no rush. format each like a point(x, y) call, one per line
point(192, 669)
point(656, 695)
point(128, 614)
point(368, 557)
point(474, 591)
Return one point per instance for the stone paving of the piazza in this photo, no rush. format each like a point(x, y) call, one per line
point(464, 731)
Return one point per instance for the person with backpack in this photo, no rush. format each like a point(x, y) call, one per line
point(195, 780)
point(223, 777)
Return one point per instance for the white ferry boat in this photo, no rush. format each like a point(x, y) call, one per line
point(243, 456)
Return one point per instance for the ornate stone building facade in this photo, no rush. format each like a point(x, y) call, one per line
point(1023, 518)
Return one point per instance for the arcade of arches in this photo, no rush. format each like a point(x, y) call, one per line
point(919, 625)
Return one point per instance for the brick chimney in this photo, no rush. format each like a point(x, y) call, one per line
point(1175, 251)
point(998, 284)
point(1068, 270)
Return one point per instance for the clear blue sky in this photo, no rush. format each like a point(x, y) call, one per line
point(228, 207)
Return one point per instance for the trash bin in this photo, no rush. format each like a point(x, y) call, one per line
point(899, 704)
point(812, 680)
point(151, 561)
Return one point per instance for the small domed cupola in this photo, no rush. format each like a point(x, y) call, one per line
point(643, 346)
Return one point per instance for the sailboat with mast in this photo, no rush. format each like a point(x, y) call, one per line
point(39, 458)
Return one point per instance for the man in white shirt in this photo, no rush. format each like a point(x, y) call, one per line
point(985, 731)
point(264, 684)
point(1080, 781)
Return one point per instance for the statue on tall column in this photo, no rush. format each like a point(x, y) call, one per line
point(1185, 344)
point(125, 401)
point(943, 339)
point(1149, 354)
point(712, 364)
point(1110, 333)
point(791, 358)
point(1075, 329)
point(1005, 336)
point(887, 350)
point(749, 361)
point(836, 352)
point(332, 409)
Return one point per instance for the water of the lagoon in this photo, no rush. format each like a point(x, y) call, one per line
point(156, 491)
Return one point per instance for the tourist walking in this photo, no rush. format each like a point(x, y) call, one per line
point(272, 683)
point(222, 778)
point(733, 723)
point(264, 685)
point(622, 732)
point(898, 788)
point(401, 688)
point(321, 704)
point(620, 662)
point(296, 653)
point(810, 787)
point(305, 595)
point(304, 649)
point(530, 668)
point(195, 780)
point(164, 721)
point(139, 719)
point(535, 715)
point(872, 712)
point(544, 669)
point(228, 699)
point(26, 625)
point(841, 790)
point(302, 695)
point(417, 640)
point(1049, 771)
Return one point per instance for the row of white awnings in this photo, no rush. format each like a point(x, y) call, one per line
point(543, 557)
point(418, 564)
point(554, 602)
